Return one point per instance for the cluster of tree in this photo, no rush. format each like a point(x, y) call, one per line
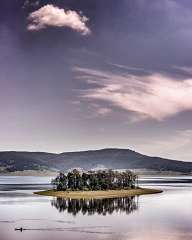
point(95, 180)
point(93, 206)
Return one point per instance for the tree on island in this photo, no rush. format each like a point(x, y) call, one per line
point(76, 180)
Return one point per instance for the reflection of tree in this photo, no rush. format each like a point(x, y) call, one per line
point(93, 206)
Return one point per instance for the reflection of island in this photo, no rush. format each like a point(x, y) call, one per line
point(99, 206)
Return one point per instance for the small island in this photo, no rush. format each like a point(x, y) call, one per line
point(78, 184)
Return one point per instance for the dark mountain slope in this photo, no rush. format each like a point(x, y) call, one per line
point(110, 158)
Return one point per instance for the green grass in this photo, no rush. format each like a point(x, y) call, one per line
point(98, 194)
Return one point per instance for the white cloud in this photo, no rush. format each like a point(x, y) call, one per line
point(155, 96)
point(52, 16)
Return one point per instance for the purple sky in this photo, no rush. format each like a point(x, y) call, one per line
point(84, 74)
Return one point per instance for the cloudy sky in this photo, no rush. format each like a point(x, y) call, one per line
point(78, 75)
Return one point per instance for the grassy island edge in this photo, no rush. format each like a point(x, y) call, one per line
point(99, 194)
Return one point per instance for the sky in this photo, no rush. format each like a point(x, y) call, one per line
point(79, 75)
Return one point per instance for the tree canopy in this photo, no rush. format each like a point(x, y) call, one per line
point(94, 180)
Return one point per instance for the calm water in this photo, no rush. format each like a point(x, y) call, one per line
point(153, 217)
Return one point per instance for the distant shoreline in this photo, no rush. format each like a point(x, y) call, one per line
point(98, 194)
point(47, 173)
point(31, 173)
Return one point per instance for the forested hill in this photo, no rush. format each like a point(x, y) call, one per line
point(109, 158)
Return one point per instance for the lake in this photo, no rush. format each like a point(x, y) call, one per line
point(165, 216)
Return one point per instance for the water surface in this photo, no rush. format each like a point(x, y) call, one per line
point(161, 216)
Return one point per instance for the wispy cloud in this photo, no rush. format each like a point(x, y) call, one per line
point(154, 96)
point(103, 111)
point(52, 16)
point(29, 3)
point(174, 146)
point(128, 68)
point(98, 111)
point(187, 70)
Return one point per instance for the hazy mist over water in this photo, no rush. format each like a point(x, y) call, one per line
point(159, 216)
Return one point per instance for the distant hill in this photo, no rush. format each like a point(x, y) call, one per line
point(109, 158)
